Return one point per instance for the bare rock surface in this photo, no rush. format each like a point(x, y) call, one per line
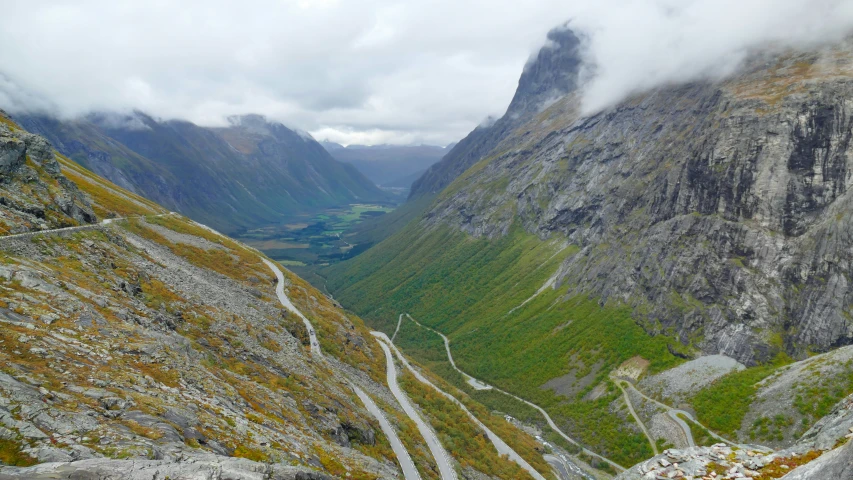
point(837, 464)
point(787, 402)
point(34, 194)
point(197, 468)
point(684, 380)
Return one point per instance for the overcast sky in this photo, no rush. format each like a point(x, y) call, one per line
point(367, 71)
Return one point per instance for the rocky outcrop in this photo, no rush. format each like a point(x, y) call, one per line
point(825, 451)
point(721, 462)
point(721, 211)
point(835, 464)
point(34, 194)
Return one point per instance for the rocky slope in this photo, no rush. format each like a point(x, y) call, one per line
point(249, 174)
point(825, 451)
point(141, 344)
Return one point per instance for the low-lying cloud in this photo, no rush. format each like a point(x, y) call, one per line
point(368, 71)
point(645, 44)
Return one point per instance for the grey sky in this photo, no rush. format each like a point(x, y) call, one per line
point(367, 71)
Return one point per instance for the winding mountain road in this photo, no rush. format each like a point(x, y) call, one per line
point(674, 414)
point(410, 472)
point(476, 384)
point(442, 458)
point(545, 415)
point(407, 466)
point(397, 330)
point(502, 447)
point(565, 469)
point(637, 417)
point(285, 301)
point(90, 226)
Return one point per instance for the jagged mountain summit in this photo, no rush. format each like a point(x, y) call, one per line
point(547, 77)
point(251, 173)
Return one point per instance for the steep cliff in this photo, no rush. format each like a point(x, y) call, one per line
point(34, 193)
point(719, 212)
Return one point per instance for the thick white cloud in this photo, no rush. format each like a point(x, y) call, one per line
point(647, 43)
point(366, 71)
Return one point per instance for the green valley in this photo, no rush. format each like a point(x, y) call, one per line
point(308, 241)
point(483, 295)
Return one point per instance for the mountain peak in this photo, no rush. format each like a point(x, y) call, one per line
point(261, 125)
point(549, 75)
point(252, 122)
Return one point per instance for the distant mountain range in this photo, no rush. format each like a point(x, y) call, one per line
point(389, 165)
point(250, 173)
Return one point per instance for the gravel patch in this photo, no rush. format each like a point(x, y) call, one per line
point(177, 237)
point(682, 381)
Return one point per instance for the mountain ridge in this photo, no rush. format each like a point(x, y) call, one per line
point(140, 343)
point(248, 174)
point(553, 73)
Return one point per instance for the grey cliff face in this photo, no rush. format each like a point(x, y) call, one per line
point(722, 211)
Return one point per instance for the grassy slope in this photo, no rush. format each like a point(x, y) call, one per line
point(466, 288)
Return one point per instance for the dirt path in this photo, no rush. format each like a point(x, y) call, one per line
point(636, 417)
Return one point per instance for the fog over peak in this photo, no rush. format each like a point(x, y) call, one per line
point(646, 44)
point(372, 71)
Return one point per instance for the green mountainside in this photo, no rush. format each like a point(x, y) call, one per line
point(693, 220)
